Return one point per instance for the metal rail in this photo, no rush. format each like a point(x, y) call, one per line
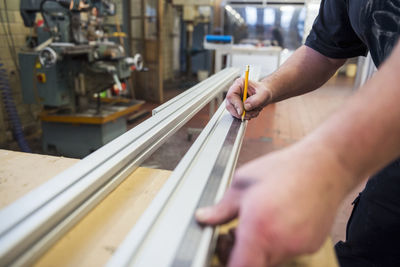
point(200, 179)
point(208, 82)
point(33, 223)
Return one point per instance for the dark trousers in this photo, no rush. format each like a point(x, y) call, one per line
point(373, 230)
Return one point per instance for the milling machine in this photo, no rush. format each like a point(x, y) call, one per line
point(77, 74)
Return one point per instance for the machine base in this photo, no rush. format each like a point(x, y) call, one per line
point(79, 140)
point(79, 135)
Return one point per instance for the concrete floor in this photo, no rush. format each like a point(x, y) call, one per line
point(278, 126)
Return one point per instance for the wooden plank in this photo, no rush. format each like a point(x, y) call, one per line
point(93, 240)
point(22, 172)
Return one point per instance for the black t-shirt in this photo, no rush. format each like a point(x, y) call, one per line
point(349, 28)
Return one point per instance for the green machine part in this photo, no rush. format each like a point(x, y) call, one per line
point(79, 140)
point(49, 86)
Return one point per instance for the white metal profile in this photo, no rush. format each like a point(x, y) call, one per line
point(167, 233)
point(200, 179)
point(33, 223)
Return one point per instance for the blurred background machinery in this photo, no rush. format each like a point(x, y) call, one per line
point(196, 22)
point(77, 73)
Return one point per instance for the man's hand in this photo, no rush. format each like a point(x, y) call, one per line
point(304, 71)
point(285, 208)
point(286, 201)
point(259, 97)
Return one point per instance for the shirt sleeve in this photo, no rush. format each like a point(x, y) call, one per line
point(332, 34)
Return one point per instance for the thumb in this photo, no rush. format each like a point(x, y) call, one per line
point(258, 100)
point(223, 212)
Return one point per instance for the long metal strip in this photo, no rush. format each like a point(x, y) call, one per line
point(208, 82)
point(190, 245)
point(200, 179)
point(34, 222)
point(167, 233)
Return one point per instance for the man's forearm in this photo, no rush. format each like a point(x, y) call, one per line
point(364, 135)
point(305, 71)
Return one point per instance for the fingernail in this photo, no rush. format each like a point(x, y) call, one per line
point(202, 214)
point(238, 111)
point(247, 106)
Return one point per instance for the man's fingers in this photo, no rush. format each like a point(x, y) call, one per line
point(234, 97)
point(234, 112)
point(223, 212)
point(247, 250)
point(257, 100)
point(239, 83)
point(236, 103)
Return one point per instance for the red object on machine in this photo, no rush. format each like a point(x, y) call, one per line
point(40, 23)
point(116, 90)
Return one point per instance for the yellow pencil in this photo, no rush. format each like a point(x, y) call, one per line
point(246, 85)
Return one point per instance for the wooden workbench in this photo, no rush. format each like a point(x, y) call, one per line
point(94, 239)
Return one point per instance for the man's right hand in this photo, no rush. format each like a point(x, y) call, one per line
point(259, 96)
point(285, 204)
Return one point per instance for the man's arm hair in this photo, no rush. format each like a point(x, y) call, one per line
point(305, 71)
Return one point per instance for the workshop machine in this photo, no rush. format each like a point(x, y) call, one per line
point(78, 74)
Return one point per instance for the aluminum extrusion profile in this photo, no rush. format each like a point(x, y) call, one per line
point(209, 82)
point(254, 75)
point(33, 223)
point(200, 179)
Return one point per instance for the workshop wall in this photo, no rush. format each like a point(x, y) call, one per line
point(12, 28)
